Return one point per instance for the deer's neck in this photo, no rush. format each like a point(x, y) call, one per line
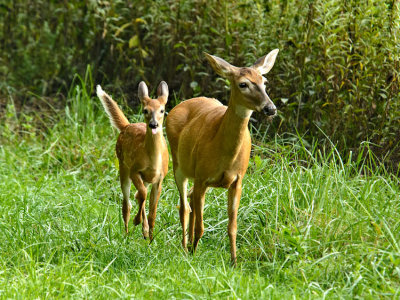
point(234, 126)
point(153, 143)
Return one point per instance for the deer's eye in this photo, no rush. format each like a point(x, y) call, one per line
point(145, 111)
point(243, 85)
point(162, 111)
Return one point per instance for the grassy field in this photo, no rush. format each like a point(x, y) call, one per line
point(310, 224)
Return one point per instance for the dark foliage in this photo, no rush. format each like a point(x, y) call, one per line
point(337, 73)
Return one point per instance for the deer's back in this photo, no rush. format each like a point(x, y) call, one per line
point(194, 114)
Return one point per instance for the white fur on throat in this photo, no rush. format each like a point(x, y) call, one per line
point(243, 112)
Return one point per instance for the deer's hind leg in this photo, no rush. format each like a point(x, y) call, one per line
point(141, 199)
point(126, 188)
point(198, 197)
point(154, 197)
point(192, 218)
point(184, 209)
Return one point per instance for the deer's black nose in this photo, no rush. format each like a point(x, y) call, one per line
point(269, 110)
point(153, 125)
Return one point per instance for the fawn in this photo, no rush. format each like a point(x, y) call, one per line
point(142, 153)
point(210, 143)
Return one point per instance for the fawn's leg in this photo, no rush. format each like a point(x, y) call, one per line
point(198, 197)
point(154, 197)
point(126, 188)
point(141, 199)
point(184, 209)
point(234, 192)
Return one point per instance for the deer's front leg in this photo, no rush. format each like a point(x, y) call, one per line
point(234, 193)
point(154, 197)
point(141, 199)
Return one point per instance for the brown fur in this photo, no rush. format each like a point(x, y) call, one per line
point(143, 158)
point(210, 143)
point(251, 74)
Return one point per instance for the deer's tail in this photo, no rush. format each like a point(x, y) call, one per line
point(115, 114)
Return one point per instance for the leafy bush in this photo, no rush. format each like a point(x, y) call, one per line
point(337, 72)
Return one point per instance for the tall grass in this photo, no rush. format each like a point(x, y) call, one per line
point(312, 223)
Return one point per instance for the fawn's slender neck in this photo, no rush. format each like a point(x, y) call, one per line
point(153, 142)
point(234, 125)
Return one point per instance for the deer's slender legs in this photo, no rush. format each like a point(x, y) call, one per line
point(154, 197)
point(126, 188)
point(141, 199)
point(191, 218)
point(198, 198)
point(184, 209)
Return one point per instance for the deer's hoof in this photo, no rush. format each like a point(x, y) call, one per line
point(145, 234)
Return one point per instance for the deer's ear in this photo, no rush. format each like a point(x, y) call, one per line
point(143, 92)
point(265, 63)
point(220, 66)
point(162, 92)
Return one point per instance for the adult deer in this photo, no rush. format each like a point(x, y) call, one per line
point(142, 153)
point(210, 143)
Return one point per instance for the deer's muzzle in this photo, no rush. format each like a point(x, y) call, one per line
point(269, 110)
point(153, 125)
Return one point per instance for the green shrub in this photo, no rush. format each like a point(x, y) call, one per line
point(337, 71)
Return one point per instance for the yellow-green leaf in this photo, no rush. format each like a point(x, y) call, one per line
point(140, 20)
point(134, 41)
point(144, 53)
point(119, 30)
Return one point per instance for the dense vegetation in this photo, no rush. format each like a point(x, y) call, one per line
point(337, 73)
point(319, 215)
point(310, 224)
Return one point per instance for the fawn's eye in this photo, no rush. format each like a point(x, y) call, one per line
point(145, 111)
point(162, 111)
point(243, 85)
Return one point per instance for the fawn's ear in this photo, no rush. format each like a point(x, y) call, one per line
point(222, 67)
point(162, 92)
point(143, 92)
point(265, 63)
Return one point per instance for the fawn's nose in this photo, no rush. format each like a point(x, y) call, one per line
point(153, 125)
point(269, 110)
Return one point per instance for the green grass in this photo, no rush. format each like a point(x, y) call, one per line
point(310, 225)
